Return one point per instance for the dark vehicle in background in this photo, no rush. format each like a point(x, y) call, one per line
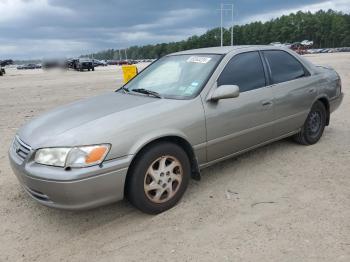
point(80, 64)
point(71, 63)
point(84, 63)
point(4, 63)
point(28, 66)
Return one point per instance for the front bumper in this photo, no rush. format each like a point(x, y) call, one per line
point(75, 189)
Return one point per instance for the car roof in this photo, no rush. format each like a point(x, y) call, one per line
point(223, 49)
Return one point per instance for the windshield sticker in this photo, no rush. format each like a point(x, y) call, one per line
point(198, 59)
point(194, 84)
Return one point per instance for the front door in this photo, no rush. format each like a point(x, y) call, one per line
point(239, 123)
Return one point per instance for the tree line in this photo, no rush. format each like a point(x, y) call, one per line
point(326, 28)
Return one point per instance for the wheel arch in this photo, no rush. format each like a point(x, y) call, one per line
point(176, 139)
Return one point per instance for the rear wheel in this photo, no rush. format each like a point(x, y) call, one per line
point(158, 178)
point(314, 125)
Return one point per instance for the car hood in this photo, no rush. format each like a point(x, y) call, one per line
point(64, 118)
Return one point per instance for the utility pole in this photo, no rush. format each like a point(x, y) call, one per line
point(232, 26)
point(120, 57)
point(224, 7)
point(126, 56)
point(221, 9)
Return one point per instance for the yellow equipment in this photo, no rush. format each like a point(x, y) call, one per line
point(129, 72)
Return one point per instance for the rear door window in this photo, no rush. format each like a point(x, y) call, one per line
point(244, 70)
point(283, 66)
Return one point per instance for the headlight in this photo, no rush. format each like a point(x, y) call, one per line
point(52, 156)
point(82, 156)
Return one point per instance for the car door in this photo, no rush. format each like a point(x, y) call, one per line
point(239, 123)
point(293, 89)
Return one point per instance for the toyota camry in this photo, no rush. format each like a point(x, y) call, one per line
point(182, 113)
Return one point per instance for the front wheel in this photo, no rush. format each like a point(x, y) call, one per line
point(314, 125)
point(158, 178)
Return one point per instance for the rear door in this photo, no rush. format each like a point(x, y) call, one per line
point(293, 90)
point(238, 123)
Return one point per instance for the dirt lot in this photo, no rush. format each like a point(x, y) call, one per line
point(282, 202)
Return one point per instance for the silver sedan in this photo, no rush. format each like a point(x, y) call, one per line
point(184, 112)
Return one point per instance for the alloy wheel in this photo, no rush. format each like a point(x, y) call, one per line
point(163, 179)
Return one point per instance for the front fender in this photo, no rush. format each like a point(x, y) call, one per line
point(144, 140)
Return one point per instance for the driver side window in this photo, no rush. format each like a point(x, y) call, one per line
point(244, 70)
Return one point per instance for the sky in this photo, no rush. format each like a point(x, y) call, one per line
point(35, 29)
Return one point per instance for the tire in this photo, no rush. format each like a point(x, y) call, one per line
point(314, 125)
point(153, 189)
point(93, 69)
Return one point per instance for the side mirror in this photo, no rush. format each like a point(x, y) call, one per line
point(224, 92)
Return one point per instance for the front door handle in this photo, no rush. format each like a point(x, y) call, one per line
point(266, 103)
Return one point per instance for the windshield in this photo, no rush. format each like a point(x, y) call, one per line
point(178, 76)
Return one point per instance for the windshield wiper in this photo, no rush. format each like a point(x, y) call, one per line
point(147, 92)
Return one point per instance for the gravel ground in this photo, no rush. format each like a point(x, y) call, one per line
point(282, 202)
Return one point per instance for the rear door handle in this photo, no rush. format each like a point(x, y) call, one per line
point(266, 103)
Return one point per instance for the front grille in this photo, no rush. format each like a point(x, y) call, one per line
point(20, 148)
